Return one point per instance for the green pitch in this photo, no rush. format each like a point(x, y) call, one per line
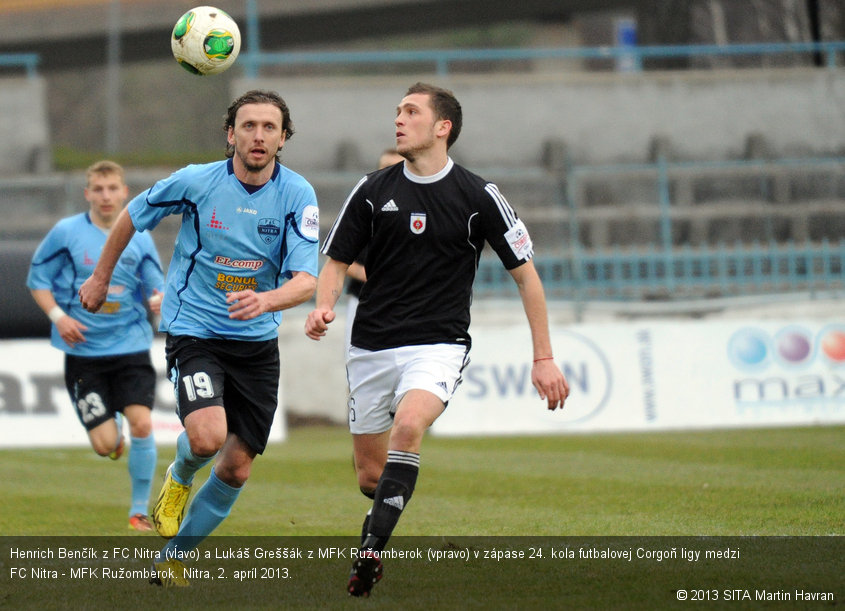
point(734, 482)
point(776, 496)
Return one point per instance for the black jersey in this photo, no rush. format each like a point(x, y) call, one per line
point(425, 236)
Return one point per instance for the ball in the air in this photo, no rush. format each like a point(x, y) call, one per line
point(205, 40)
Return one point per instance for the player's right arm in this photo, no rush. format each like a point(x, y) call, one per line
point(355, 218)
point(93, 292)
point(357, 272)
point(70, 329)
point(329, 289)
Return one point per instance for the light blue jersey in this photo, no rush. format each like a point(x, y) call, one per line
point(67, 257)
point(230, 240)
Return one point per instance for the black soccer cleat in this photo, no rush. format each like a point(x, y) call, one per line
point(367, 570)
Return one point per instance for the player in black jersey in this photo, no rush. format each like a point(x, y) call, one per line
point(424, 223)
point(356, 274)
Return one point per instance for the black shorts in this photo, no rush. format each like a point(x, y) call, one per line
point(241, 376)
point(101, 386)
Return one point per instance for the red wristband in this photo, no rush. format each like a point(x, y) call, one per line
point(545, 358)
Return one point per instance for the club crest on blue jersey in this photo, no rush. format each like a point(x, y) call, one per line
point(417, 222)
point(268, 230)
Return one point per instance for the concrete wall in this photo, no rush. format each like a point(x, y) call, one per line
point(314, 373)
point(24, 128)
point(510, 119)
point(600, 117)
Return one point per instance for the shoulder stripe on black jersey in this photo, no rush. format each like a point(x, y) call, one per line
point(340, 214)
point(504, 207)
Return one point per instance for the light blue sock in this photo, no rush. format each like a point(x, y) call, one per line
point(142, 464)
point(187, 463)
point(118, 421)
point(209, 508)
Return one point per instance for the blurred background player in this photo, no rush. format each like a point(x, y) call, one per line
point(425, 223)
point(108, 371)
point(356, 275)
point(246, 250)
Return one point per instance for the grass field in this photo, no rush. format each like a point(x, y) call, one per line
point(626, 491)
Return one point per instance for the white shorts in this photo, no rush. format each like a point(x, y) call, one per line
point(379, 379)
point(351, 308)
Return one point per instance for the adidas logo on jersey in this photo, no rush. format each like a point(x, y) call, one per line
point(396, 501)
point(390, 207)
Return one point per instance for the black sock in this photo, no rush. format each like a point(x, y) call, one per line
point(393, 492)
point(365, 527)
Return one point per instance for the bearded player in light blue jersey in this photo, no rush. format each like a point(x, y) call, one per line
point(108, 370)
point(247, 249)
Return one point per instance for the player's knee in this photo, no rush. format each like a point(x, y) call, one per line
point(368, 491)
point(233, 475)
point(101, 448)
point(104, 444)
point(408, 429)
point(206, 443)
point(141, 427)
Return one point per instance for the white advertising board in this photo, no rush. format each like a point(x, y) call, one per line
point(35, 409)
point(656, 376)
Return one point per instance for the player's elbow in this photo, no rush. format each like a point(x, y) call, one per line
point(307, 286)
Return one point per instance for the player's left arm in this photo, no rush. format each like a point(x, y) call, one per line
point(299, 265)
point(246, 305)
point(545, 374)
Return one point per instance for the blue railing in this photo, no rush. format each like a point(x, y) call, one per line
point(685, 273)
point(669, 269)
point(664, 171)
point(252, 59)
point(27, 61)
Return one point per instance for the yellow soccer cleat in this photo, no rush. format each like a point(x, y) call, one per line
point(169, 574)
point(170, 506)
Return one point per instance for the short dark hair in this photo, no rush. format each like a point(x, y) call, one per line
point(445, 105)
point(257, 96)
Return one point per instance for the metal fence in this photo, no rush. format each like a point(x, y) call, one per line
point(781, 229)
point(445, 60)
point(790, 236)
point(17, 61)
point(681, 274)
point(623, 232)
point(707, 202)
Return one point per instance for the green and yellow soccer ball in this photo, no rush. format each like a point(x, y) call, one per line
point(205, 40)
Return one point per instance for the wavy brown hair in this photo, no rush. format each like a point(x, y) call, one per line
point(257, 96)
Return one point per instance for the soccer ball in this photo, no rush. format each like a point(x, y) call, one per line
point(205, 40)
